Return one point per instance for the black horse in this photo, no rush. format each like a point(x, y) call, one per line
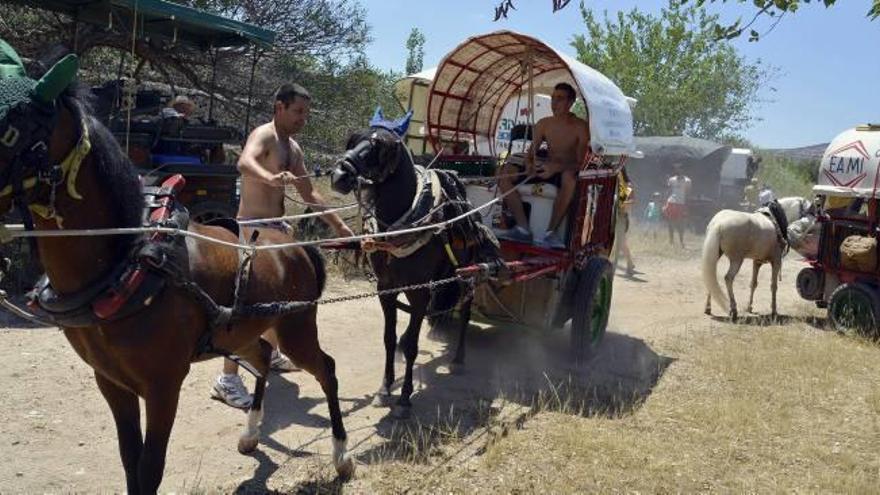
point(398, 195)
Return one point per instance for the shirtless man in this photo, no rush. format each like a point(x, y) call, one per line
point(567, 138)
point(271, 160)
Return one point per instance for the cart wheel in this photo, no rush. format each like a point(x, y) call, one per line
point(811, 284)
point(592, 306)
point(855, 307)
point(207, 211)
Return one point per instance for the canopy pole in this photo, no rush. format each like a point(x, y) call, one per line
point(530, 119)
point(247, 118)
point(213, 84)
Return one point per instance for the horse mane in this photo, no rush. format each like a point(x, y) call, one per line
point(116, 175)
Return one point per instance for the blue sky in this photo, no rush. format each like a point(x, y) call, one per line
point(828, 60)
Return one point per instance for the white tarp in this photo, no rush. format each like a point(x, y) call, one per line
point(474, 83)
point(851, 164)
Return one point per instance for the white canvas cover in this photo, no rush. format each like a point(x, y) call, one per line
point(412, 93)
point(474, 82)
point(851, 164)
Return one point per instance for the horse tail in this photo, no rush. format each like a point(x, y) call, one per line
point(320, 265)
point(711, 253)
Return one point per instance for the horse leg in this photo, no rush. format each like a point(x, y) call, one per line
point(457, 365)
point(418, 302)
point(756, 267)
point(735, 264)
point(708, 309)
point(775, 266)
point(127, 416)
point(300, 342)
point(389, 310)
point(161, 401)
point(258, 354)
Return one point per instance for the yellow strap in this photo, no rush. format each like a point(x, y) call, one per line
point(47, 213)
point(450, 254)
point(26, 184)
point(69, 168)
point(74, 159)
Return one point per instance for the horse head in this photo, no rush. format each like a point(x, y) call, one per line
point(371, 157)
point(32, 122)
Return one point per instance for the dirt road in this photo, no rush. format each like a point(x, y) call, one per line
point(56, 433)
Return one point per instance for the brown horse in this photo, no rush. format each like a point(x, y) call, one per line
point(147, 354)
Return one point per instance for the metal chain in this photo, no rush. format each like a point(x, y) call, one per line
point(385, 292)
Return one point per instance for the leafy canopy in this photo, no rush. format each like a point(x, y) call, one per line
point(415, 46)
point(775, 9)
point(685, 81)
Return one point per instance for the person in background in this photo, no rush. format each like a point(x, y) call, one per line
point(627, 199)
point(652, 213)
point(765, 195)
point(750, 194)
point(675, 209)
point(180, 106)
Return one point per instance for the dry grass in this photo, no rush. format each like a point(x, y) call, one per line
point(654, 242)
point(746, 409)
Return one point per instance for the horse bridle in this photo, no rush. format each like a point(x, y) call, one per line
point(24, 147)
point(354, 162)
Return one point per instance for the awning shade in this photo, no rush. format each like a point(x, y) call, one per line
point(160, 18)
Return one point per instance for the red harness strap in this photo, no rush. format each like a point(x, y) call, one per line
point(114, 299)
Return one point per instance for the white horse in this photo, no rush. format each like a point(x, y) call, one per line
point(739, 235)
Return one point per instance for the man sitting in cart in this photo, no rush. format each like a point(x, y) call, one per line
point(567, 137)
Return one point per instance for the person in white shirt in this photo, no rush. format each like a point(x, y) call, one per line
point(765, 195)
point(675, 210)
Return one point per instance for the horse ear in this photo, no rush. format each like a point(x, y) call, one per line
point(10, 62)
point(57, 79)
point(402, 124)
point(378, 117)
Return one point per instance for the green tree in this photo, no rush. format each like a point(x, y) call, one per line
point(415, 45)
point(686, 81)
point(319, 44)
point(344, 97)
point(775, 9)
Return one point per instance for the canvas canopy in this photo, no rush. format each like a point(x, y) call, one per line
point(475, 81)
point(160, 18)
point(850, 166)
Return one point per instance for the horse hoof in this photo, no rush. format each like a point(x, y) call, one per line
point(345, 467)
point(456, 369)
point(733, 317)
point(707, 311)
point(247, 445)
point(401, 412)
point(382, 400)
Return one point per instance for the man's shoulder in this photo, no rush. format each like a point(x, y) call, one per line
point(294, 145)
point(263, 133)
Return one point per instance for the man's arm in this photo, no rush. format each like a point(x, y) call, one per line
point(256, 147)
point(304, 187)
point(583, 145)
point(538, 136)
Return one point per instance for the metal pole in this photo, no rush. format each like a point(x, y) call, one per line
point(247, 118)
point(213, 84)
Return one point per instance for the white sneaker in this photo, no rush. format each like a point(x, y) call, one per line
point(230, 390)
point(281, 363)
point(552, 241)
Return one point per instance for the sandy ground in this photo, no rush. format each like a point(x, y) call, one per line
point(57, 435)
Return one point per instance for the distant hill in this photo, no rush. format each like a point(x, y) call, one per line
point(813, 152)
